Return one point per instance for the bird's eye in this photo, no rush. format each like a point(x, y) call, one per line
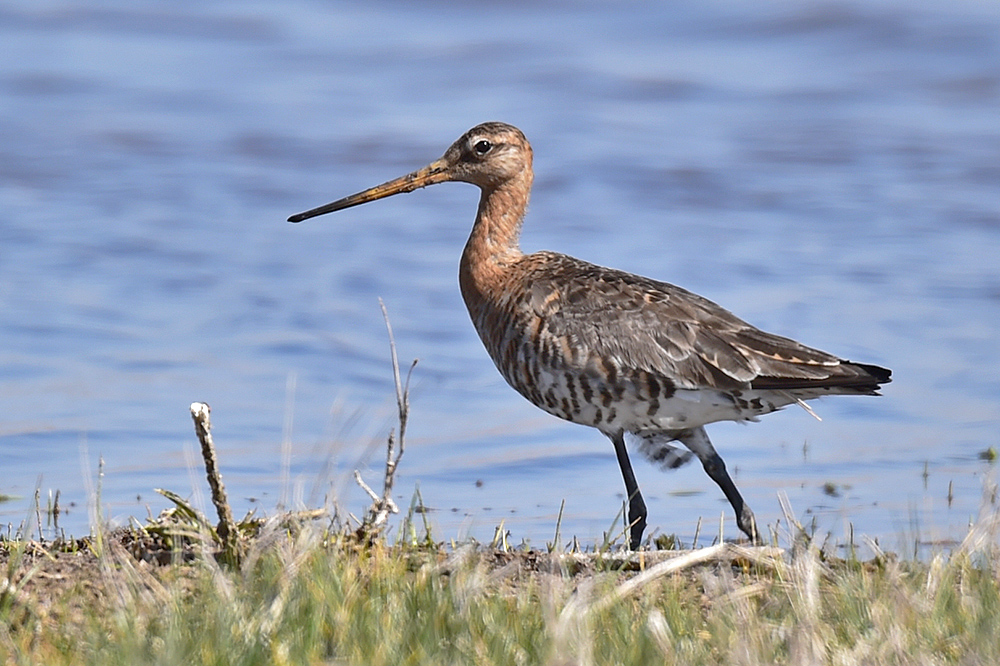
point(482, 147)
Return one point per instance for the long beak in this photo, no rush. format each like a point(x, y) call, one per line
point(435, 172)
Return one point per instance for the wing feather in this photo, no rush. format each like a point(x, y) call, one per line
point(641, 324)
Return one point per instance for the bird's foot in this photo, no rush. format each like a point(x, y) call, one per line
point(635, 531)
point(748, 524)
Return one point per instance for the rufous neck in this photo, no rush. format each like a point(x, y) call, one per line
point(496, 234)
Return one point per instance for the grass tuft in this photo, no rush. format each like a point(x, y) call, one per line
point(316, 596)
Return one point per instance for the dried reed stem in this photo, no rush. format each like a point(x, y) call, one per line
point(228, 535)
point(382, 506)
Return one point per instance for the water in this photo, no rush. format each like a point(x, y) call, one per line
point(827, 171)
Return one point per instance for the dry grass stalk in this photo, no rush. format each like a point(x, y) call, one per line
point(383, 505)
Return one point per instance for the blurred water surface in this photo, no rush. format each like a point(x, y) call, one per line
point(828, 171)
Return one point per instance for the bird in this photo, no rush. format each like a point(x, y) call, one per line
point(647, 363)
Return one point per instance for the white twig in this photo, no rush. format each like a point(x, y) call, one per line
point(382, 506)
point(723, 552)
point(579, 608)
point(365, 487)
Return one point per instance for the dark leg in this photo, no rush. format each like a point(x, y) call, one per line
point(697, 440)
point(636, 507)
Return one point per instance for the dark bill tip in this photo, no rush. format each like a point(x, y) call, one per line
point(436, 172)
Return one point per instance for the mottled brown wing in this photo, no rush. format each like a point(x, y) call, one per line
point(645, 325)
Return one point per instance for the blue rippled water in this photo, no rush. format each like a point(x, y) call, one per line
point(828, 171)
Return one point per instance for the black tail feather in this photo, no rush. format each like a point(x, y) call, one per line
point(862, 377)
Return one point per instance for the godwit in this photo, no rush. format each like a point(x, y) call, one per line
point(625, 354)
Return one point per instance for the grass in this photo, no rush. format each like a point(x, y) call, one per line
point(312, 596)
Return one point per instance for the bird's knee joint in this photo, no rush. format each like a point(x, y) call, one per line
point(714, 466)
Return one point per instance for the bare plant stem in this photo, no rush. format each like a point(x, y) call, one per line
point(382, 506)
point(226, 530)
point(38, 511)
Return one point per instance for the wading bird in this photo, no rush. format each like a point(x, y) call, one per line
point(630, 356)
